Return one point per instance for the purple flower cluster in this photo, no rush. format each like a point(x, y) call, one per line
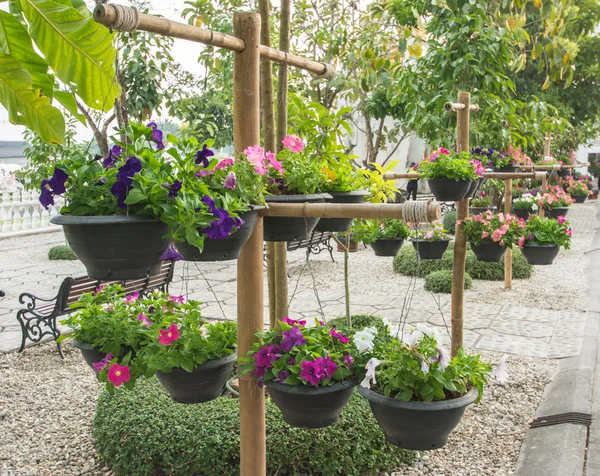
point(320, 369)
point(174, 188)
point(121, 187)
point(220, 228)
point(157, 135)
point(113, 154)
point(54, 186)
point(292, 338)
point(264, 358)
point(171, 253)
point(493, 156)
point(203, 155)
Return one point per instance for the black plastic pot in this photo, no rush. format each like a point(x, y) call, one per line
point(116, 247)
point(478, 210)
point(387, 246)
point(430, 249)
point(311, 407)
point(579, 198)
point(449, 190)
point(489, 252)
point(472, 189)
point(287, 228)
point(90, 355)
point(557, 212)
point(417, 425)
point(564, 173)
point(341, 224)
point(221, 250)
point(203, 384)
point(540, 254)
point(508, 169)
point(523, 212)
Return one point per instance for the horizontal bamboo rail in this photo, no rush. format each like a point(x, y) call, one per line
point(345, 210)
point(109, 15)
point(552, 167)
point(457, 106)
point(491, 175)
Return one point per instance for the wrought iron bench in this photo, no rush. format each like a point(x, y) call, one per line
point(319, 241)
point(38, 319)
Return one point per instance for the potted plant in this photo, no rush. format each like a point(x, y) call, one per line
point(430, 243)
point(498, 161)
point(309, 371)
point(578, 189)
point(543, 238)
point(526, 204)
point(449, 175)
point(418, 392)
point(490, 234)
point(386, 237)
point(481, 203)
point(555, 202)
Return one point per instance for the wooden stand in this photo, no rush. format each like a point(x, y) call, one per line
point(509, 252)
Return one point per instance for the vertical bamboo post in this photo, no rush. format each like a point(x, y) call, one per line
point(246, 132)
point(281, 280)
point(508, 257)
point(547, 147)
point(460, 245)
point(544, 188)
point(271, 283)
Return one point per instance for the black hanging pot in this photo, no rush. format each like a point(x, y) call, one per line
point(341, 224)
point(564, 173)
point(202, 384)
point(523, 212)
point(417, 425)
point(478, 210)
point(490, 252)
point(387, 246)
point(311, 407)
point(480, 183)
point(540, 254)
point(222, 250)
point(472, 189)
point(511, 169)
point(430, 249)
point(89, 353)
point(557, 212)
point(579, 198)
point(291, 228)
point(449, 190)
point(116, 247)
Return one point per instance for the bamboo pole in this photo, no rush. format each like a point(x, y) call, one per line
point(460, 241)
point(547, 147)
point(509, 253)
point(541, 211)
point(345, 210)
point(110, 16)
point(246, 132)
point(495, 175)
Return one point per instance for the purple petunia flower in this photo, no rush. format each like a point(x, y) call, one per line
point(100, 366)
point(210, 203)
point(291, 361)
point(342, 338)
point(46, 195)
point(171, 254)
point(326, 366)
point(291, 338)
point(266, 355)
point(281, 376)
point(230, 181)
point(222, 227)
point(348, 360)
point(311, 373)
point(128, 170)
point(203, 155)
point(174, 189)
point(57, 182)
point(119, 189)
point(157, 135)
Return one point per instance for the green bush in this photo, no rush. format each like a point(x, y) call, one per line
point(405, 262)
point(495, 271)
point(143, 432)
point(450, 222)
point(61, 252)
point(441, 281)
point(359, 322)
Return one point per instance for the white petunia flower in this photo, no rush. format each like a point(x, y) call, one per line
point(363, 341)
point(370, 375)
point(429, 331)
point(424, 366)
point(412, 337)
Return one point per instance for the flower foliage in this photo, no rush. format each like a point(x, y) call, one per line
point(294, 354)
point(506, 230)
point(446, 164)
point(369, 231)
point(555, 198)
point(527, 201)
point(434, 232)
point(493, 158)
point(540, 231)
point(576, 187)
point(482, 200)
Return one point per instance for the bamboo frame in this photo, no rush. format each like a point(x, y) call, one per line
point(508, 257)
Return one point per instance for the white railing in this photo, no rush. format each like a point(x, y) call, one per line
point(23, 211)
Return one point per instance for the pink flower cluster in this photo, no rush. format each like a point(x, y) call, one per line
point(322, 368)
point(501, 228)
point(256, 156)
point(479, 168)
point(168, 336)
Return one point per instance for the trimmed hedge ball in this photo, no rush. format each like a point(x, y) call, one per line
point(450, 222)
point(441, 281)
point(61, 252)
point(406, 263)
point(495, 271)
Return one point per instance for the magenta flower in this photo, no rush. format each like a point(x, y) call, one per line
point(311, 373)
point(292, 338)
point(293, 142)
point(348, 360)
point(144, 320)
point(224, 164)
point(131, 298)
point(293, 322)
point(326, 365)
point(266, 355)
point(168, 336)
point(271, 159)
point(100, 366)
point(177, 299)
point(118, 374)
point(561, 219)
point(230, 181)
point(342, 338)
point(171, 254)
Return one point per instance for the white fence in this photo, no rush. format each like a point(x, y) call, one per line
point(23, 211)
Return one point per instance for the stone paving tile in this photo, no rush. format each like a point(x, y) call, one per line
point(471, 321)
point(528, 314)
point(572, 325)
point(514, 344)
point(521, 328)
point(560, 347)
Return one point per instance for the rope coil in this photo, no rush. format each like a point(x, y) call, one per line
point(127, 18)
point(415, 211)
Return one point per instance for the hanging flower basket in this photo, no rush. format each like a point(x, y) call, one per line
point(473, 188)
point(288, 228)
point(478, 210)
point(511, 169)
point(90, 355)
point(203, 384)
point(387, 246)
point(564, 173)
point(417, 425)
point(311, 407)
point(449, 190)
point(116, 247)
point(579, 198)
point(488, 252)
point(221, 250)
point(523, 212)
point(430, 249)
point(540, 254)
point(555, 212)
point(341, 224)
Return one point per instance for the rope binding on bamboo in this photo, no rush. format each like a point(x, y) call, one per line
point(415, 211)
point(127, 18)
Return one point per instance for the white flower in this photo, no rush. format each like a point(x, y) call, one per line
point(412, 338)
point(424, 366)
point(443, 357)
point(363, 340)
point(502, 369)
point(534, 207)
point(429, 331)
point(370, 375)
point(371, 330)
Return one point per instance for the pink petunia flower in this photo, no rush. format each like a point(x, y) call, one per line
point(484, 235)
point(561, 219)
point(144, 319)
point(132, 298)
point(497, 235)
point(204, 172)
point(168, 336)
point(224, 164)
point(521, 242)
point(293, 143)
point(100, 366)
point(272, 160)
point(256, 156)
point(118, 374)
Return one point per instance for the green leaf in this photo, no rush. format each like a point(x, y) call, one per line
point(67, 100)
point(406, 395)
point(25, 106)
point(78, 50)
point(135, 196)
point(15, 41)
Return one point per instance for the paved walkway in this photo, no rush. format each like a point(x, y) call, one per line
point(526, 331)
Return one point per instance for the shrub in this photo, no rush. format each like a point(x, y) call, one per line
point(450, 222)
point(359, 322)
point(61, 252)
point(441, 281)
point(144, 432)
point(495, 271)
point(405, 262)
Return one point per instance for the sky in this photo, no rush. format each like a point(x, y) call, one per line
point(184, 52)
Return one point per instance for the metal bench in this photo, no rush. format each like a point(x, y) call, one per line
point(319, 241)
point(38, 319)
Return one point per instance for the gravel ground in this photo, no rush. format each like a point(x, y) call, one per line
point(558, 287)
point(47, 405)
